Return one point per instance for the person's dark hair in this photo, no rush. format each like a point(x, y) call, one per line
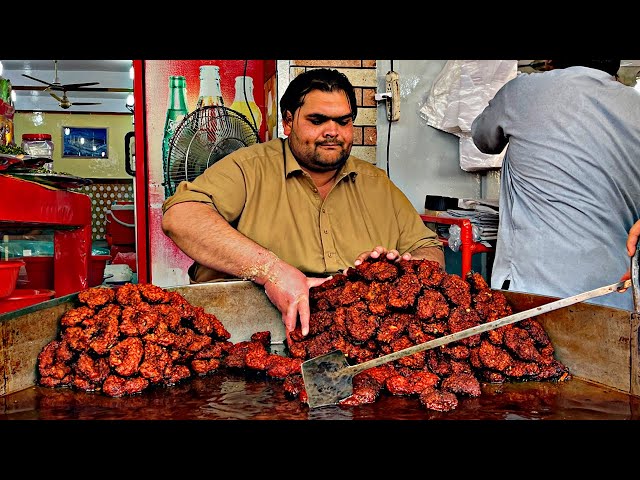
point(609, 66)
point(323, 79)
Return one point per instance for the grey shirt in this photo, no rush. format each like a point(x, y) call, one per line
point(570, 181)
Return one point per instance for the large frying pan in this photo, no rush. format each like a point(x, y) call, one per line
point(329, 378)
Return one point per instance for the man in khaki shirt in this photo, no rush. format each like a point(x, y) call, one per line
point(288, 213)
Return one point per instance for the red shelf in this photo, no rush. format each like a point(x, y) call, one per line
point(467, 246)
point(29, 204)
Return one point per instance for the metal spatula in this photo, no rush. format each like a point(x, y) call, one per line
point(329, 378)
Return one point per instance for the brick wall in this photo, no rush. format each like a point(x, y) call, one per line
point(362, 74)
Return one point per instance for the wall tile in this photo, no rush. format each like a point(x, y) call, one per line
point(367, 154)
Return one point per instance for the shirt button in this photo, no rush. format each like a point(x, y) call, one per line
point(326, 231)
point(330, 255)
point(324, 211)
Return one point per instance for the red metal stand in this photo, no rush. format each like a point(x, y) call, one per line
point(28, 204)
point(467, 246)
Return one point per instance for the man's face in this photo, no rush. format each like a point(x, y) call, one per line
point(321, 131)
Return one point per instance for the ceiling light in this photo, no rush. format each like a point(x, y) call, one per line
point(129, 104)
point(131, 72)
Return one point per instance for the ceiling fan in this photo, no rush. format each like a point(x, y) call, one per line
point(65, 103)
point(57, 85)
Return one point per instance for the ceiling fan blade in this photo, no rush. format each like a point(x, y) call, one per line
point(71, 86)
point(85, 103)
point(37, 79)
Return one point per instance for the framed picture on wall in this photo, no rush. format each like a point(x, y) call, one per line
point(85, 142)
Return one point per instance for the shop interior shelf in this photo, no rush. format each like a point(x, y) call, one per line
point(27, 204)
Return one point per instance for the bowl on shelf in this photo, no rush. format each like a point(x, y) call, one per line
point(9, 270)
point(22, 298)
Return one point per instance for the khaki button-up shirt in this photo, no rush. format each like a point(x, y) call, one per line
point(262, 191)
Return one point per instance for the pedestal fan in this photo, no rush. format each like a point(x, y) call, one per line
point(202, 138)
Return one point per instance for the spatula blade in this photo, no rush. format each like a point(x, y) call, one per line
point(323, 385)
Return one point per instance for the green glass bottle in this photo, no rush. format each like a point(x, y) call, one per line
point(176, 111)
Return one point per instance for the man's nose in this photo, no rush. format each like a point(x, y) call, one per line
point(331, 128)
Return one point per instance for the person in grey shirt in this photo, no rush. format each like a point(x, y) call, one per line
point(570, 179)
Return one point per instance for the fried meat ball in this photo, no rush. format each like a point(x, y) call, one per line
point(404, 291)
point(366, 389)
point(375, 269)
point(462, 318)
point(377, 298)
point(438, 400)
point(49, 362)
point(462, 383)
point(153, 294)
point(281, 367)
point(102, 329)
point(491, 305)
point(411, 384)
point(76, 316)
point(126, 356)
point(263, 338)
point(360, 324)
point(93, 370)
point(116, 386)
point(430, 273)
point(128, 294)
point(393, 327)
point(96, 296)
point(477, 282)
point(432, 304)
point(293, 386)
point(208, 324)
point(457, 290)
point(520, 342)
point(320, 321)
point(494, 357)
point(257, 358)
point(156, 360)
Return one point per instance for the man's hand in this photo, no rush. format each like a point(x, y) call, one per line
point(429, 253)
point(632, 244)
point(378, 251)
point(288, 289)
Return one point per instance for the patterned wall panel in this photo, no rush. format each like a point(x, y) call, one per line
point(103, 193)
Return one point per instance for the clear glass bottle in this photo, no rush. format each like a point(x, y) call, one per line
point(176, 111)
point(245, 103)
point(209, 121)
point(210, 91)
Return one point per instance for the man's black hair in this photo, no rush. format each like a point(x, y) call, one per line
point(323, 79)
point(609, 66)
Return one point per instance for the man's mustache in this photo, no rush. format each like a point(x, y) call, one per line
point(331, 142)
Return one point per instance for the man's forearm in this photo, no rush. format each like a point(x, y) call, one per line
point(206, 237)
point(429, 253)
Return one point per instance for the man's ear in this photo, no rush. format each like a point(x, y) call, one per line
point(287, 121)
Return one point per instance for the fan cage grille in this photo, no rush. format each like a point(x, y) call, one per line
point(203, 137)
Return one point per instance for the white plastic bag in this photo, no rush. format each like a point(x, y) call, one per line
point(458, 94)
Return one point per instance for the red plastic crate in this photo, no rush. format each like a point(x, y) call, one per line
point(121, 227)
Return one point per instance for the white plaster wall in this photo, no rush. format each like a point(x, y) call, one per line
point(423, 160)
